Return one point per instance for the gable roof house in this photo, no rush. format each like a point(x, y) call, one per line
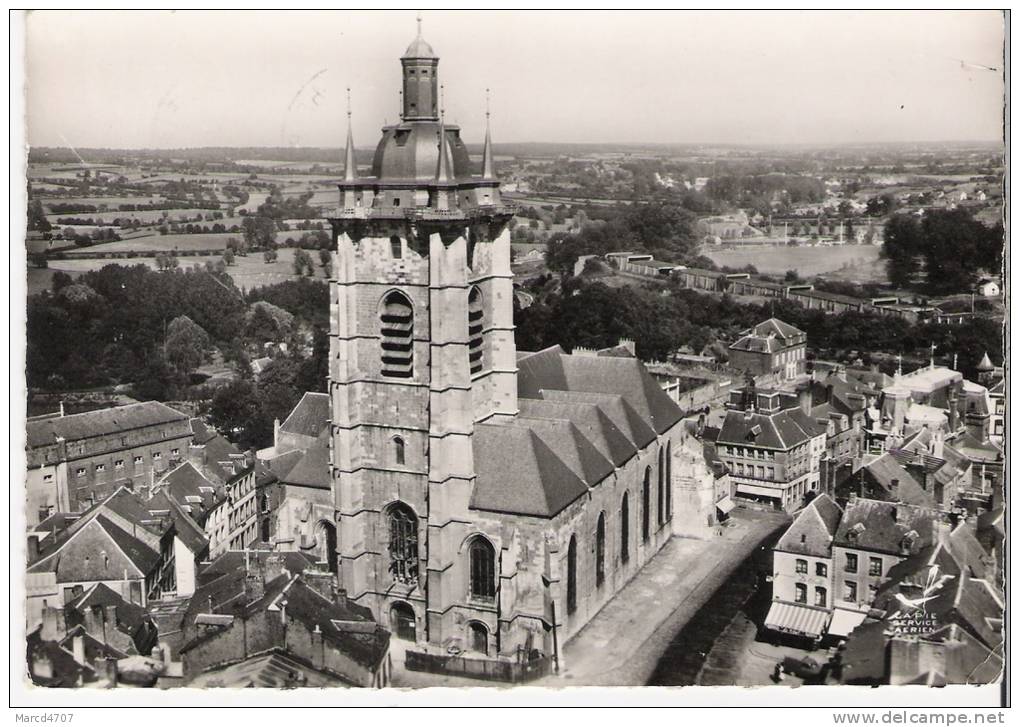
point(138, 552)
point(264, 609)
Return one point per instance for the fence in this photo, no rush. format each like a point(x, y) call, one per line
point(500, 671)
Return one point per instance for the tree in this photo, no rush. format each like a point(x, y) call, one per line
point(259, 232)
point(270, 256)
point(236, 246)
point(37, 217)
point(325, 257)
point(186, 344)
point(228, 256)
point(902, 249)
point(60, 280)
point(303, 263)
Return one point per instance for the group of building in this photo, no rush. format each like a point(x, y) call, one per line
point(897, 487)
point(477, 502)
point(480, 503)
point(746, 284)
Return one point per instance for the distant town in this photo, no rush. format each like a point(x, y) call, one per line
point(429, 413)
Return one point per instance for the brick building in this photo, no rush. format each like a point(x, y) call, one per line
point(773, 454)
point(78, 460)
point(770, 347)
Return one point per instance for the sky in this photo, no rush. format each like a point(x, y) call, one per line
point(190, 78)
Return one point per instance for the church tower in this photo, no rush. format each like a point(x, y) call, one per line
point(421, 350)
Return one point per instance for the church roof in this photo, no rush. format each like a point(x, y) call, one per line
point(309, 417)
point(552, 370)
point(591, 420)
point(517, 472)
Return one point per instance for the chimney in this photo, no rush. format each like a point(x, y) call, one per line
point(275, 566)
point(157, 653)
point(42, 667)
point(894, 492)
point(318, 648)
point(33, 548)
point(78, 649)
point(283, 613)
point(276, 432)
point(108, 668)
point(53, 625)
point(254, 586)
point(61, 408)
point(804, 398)
point(110, 623)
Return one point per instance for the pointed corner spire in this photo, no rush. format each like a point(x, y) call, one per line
point(443, 167)
point(350, 169)
point(488, 170)
point(418, 20)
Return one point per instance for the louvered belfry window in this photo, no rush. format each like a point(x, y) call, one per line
point(476, 321)
point(397, 326)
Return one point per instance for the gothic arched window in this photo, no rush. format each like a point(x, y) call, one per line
point(476, 315)
point(646, 504)
point(403, 544)
point(398, 450)
point(625, 528)
point(482, 561)
point(669, 480)
point(572, 575)
point(660, 499)
point(397, 328)
point(600, 550)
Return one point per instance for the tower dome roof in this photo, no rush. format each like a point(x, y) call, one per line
point(419, 49)
point(986, 363)
point(410, 151)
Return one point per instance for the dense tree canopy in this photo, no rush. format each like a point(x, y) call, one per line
point(942, 252)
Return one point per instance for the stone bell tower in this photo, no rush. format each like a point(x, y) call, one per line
point(421, 349)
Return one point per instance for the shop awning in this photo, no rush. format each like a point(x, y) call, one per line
point(794, 619)
point(745, 489)
point(843, 622)
point(725, 505)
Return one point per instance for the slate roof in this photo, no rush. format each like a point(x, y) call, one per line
point(94, 648)
point(571, 446)
point(551, 369)
point(233, 561)
point(309, 417)
point(617, 408)
point(311, 469)
point(186, 481)
point(123, 503)
point(101, 422)
point(130, 615)
point(273, 670)
point(781, 430)
point(66, 671)
point(518, 473)
point(144, 558)
point(812, 531)
point(882, 531)
point(884, 469)
point(590, 419)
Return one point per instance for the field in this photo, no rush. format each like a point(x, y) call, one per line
point(808, 261)
point(154, 243)
point(248, 271)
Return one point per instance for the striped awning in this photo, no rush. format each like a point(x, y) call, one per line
point(725, 505)
point(795, 619)
point(843, 622)
point(744, 488)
